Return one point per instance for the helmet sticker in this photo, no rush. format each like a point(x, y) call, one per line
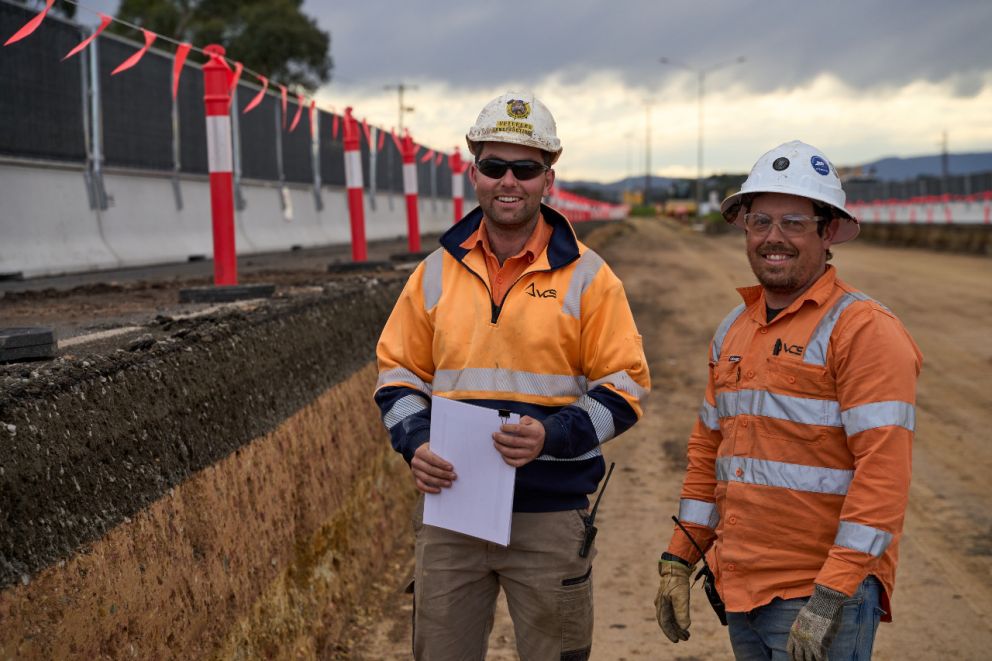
point(820, 165)
point(780, 163)
point(518, 109)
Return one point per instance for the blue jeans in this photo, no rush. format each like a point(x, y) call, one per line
point(761, 634)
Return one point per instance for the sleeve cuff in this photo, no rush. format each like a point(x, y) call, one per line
point(841, 575)
point(554, 437)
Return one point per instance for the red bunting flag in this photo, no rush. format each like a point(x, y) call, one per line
point(382, 139)
point(299, 111)
point(134, 59)
point(428, 156)
point(313, 124)
point(104, 22)
point(236, 76)
point(439, 159)
point(258, 97)
point(31, 25)
point(396, 139)
point(334, 125)
point(177, 66)
point(285, 105)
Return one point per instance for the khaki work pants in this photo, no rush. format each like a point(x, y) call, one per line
point(548, 590)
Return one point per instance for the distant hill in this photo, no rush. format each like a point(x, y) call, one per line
point(884, 169)
point(899, 169)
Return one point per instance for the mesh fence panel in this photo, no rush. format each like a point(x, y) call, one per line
point(137, 107)
point(192, 122)
point(296, 159)
point(41, 98)
point(331, 151)
point(258, 135)
point(869, 191)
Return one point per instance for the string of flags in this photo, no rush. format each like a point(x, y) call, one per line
point(183, 50)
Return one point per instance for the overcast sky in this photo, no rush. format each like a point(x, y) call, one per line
point(861, 79)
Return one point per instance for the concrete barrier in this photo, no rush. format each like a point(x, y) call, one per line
point(46, 224)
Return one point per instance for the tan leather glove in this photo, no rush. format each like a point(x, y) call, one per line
point(672, 603)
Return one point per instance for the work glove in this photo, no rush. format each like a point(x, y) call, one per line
point(816, 625)
point(672, 603)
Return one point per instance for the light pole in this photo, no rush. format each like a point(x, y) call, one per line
point(648, 103)
point(701, 83)
point(400, 88)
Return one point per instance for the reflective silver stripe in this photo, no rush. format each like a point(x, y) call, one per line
point(501, 380)
point(816, 348)
point(879, 414)
point(788, 476)
point(709, 416)
point(585, 271)
point(721, 331)
point(592, 454)
point(602, 419)
point(862, 538)
point(699, 512)
point(824, 412)
point(403, 409)
point(622, 382)
point(432, 278)
point(402, 375)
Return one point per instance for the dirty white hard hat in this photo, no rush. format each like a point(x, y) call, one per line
point(794, 168)
point(517, 118)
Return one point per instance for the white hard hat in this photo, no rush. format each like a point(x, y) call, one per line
point(794, 168)
point(517, 118)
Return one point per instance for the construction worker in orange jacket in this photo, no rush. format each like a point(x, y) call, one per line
point(799, 461)
point(512, 312)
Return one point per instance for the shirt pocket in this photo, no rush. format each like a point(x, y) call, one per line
point(800, 403)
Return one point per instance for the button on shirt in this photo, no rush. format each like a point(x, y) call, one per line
point(501, 278)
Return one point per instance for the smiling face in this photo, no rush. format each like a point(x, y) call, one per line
point(508, 202)
point(787, 265)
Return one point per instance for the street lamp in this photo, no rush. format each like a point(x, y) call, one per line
point(648, 103)
point(401, 87)
point(701, 79)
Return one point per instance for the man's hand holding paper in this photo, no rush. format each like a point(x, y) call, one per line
point(521, 443)
point(431, 472)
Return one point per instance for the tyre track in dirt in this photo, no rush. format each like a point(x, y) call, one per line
point(680, 285)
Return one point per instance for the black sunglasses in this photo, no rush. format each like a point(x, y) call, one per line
point(495, 168)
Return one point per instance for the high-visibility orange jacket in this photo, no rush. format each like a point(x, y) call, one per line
point(562, 347)
point(799, 463)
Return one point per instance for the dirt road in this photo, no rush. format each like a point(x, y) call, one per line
point(680, 285)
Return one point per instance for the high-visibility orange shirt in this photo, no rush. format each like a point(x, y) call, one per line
point(501, 278)
point(800, 460)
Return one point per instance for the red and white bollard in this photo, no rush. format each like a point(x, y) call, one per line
point(408, 149)
point(217, 98)
point(458, 167)
point(355, 184)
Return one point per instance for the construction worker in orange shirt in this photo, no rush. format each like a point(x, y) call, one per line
point(799, 463)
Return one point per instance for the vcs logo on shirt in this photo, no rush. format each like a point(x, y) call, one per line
point(537, 293)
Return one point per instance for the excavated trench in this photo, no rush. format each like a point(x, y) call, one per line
point(219, 487)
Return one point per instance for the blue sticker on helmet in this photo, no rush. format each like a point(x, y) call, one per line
point(820, 165)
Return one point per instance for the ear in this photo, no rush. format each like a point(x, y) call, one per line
point(473, 174)
point(830, 232)
point(549, 180)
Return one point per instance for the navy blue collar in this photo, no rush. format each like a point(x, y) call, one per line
point(563, 247)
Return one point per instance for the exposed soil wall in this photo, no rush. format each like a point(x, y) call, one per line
point(222, 487)
point(955, 238)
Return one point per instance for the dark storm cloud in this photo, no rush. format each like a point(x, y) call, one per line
point(865, 43)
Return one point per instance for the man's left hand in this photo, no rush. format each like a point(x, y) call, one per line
point(522, 443)
point(816, 625)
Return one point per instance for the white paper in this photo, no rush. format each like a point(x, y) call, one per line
point(480, 502)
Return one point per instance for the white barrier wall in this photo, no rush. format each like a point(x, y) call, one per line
point(975, 210)
point(47, 225)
